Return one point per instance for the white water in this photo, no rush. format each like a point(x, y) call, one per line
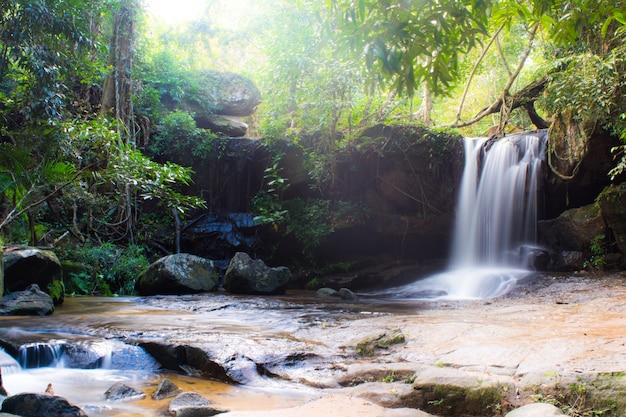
point(496, 220)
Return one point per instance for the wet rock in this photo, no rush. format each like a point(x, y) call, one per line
point(122, 392)
point(248, 276)
point(343, 293)
point(612, 200)
point(369, 345)
point(326, 292)
point(30, 302)
point(536, 410)
point(183, 357)
point(569, 261)
point(25, 266)
point(535, 258)
point(178, 274)
point(188, 404)
point(38, 405)
point(346, 294)
point(166, 389)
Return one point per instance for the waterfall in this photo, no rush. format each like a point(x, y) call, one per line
point(497, 208)
point(496, 220)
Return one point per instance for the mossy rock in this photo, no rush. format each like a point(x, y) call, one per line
point(369, 345)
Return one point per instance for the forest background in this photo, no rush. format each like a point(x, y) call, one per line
point(83, 82)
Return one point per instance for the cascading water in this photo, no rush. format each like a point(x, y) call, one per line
point(496, 219)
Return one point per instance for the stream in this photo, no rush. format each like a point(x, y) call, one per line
point(89, 344)
point(297, 350)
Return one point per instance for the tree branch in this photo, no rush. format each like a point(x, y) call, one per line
point(471, 76)
point(13, 214)
point(497, 105)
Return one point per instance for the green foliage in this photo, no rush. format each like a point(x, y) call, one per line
point(310, 221)
point(408, 43)
point(268, 203)
point(110, 269)
point(178, 137)
point(43, 46)
point(597, 261)
point(587, 86)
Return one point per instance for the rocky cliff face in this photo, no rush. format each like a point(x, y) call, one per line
point(390, 193)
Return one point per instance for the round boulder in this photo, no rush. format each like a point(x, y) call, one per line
point(248, 276)
point(181, 273)
point(25, 266)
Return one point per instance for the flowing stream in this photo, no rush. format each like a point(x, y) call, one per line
point(496, 220)
point(83, 349)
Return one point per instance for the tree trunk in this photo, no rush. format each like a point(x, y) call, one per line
point(426, 109)
point(117, 91)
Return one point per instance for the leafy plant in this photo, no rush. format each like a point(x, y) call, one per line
point(597, 248)
point(268, 202)
point(110, 269)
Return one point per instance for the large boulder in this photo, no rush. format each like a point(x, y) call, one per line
point(24, 266)
point(612, 200)
point(37, 405)
point(30, 302)
point(248, 276)
point(574, 229)
point(178, 274)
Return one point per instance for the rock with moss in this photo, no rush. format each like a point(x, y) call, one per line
point(178, 274)
point(574, 229)
point(370, 345)
point(447, 391)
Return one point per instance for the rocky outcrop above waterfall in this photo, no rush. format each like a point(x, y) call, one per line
point(221, 100)
point(30, 302)
point(178, 274)
point(251, 276)
point(24, 266)
point(40, 405)
point(578, 167)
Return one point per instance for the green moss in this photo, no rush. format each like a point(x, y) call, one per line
point(56, 290)
point(452, 400)
point(369, 345)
